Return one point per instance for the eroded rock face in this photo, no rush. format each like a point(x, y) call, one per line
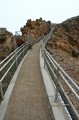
point(66, 36)
point(35, 28)
point(7, 44)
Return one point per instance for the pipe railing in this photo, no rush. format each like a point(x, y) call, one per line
point(58, 73)
point(9, 56)
point(8, 67)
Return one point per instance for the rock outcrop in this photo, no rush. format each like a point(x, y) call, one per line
point(7, 44)
point(66, 36)
point(35, 28)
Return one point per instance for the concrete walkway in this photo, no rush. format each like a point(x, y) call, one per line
point(28, 100)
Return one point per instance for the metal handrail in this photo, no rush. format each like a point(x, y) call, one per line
point(55, 69)
point(6, 72)
point(10, 54)
point(8, 63)
point(61, 87)
point(63, 72)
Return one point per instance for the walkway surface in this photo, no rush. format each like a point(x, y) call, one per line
point(28, 100)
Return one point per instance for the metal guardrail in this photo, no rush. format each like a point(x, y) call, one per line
point(58, 73)
point(8, 67)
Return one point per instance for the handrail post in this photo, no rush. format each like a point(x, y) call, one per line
point(56, 92)
point(41, 48)
point(15, 49)
point(44, 59)
point(30, 40)
point(16, 58)
point(1, 91)
point(23, 51)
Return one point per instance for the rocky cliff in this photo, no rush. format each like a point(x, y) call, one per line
point(7, 44)
point(66, 36)
point(35, 28)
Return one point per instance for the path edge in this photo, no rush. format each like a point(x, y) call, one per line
point(5, 102)
point(59, 112)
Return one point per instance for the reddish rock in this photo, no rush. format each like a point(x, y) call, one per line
point(35, 28)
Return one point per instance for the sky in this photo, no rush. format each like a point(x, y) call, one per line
point(15, 13)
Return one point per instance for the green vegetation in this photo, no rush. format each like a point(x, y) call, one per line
point(58, 34)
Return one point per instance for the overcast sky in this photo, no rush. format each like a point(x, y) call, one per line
point(14, 13)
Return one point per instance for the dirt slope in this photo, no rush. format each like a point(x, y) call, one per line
point(66, 36)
